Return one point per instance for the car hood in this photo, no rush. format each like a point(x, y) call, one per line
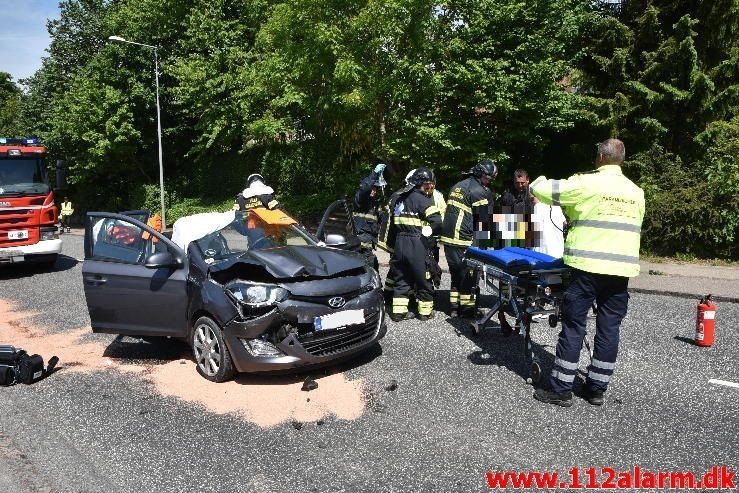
point(296, 262)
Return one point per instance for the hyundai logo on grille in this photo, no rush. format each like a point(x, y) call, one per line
point(336, 302)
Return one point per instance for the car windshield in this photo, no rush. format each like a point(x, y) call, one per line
point(255, 229)
point(22, 177)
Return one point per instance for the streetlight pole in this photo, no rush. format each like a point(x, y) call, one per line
point(159, 119)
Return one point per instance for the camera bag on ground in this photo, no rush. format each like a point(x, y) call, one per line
point(30, 368)
point(17, 366)
point(8, 357)
point(7, 375)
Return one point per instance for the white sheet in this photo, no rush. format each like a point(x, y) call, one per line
point(551, 224)
point(190, 228)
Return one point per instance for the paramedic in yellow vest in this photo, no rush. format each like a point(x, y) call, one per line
point(605, 210)
point(65, 215)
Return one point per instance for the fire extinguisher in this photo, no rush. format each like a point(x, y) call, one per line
point(704, 323)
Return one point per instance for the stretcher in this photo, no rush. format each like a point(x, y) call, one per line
point(524, 284)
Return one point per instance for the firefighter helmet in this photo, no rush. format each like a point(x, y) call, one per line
point(483, 168)
point(421, 176)
point(252, 178)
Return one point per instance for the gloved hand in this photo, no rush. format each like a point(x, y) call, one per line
point(380, 168)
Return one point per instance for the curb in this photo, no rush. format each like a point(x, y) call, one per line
point(678, 294)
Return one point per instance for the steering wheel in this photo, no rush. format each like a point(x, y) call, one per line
point(258, 241)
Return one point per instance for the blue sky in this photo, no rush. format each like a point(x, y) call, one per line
point(23, 36)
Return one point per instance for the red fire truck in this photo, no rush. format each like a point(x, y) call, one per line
point(28, 214)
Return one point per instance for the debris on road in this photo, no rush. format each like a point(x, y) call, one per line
point(309, 384)
point(392, 386)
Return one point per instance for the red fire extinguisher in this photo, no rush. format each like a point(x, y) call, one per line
point(704, 323)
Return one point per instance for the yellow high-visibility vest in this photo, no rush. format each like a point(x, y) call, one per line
point(67, 209)
point(606, 211)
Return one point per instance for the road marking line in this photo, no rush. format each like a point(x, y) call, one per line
point(724, 382)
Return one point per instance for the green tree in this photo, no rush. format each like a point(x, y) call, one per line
point(664, 76)
point(11, 99)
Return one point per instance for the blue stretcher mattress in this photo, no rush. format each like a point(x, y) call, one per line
point(515, 258)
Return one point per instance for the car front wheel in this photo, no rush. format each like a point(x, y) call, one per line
point(211, 354)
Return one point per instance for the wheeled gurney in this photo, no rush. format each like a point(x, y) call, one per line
point(524, 284)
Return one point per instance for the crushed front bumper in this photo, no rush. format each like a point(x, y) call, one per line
point(302, 345)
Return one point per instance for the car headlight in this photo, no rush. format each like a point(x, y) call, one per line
point(49, 234)
point(256, 295)
point(375, 281)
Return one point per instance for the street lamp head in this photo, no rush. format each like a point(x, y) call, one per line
point(116, 38)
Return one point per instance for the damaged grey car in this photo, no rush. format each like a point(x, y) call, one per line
point(250, 291)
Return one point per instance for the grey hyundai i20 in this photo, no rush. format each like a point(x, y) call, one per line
point(250, 291)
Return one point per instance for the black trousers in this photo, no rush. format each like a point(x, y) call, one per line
point(612, 299)
point(389, 284)
point(463, 279)
point(408, 263)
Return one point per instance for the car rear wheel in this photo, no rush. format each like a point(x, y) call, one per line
point(211, 354)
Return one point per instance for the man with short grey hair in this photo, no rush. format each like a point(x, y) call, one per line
point(612, 150)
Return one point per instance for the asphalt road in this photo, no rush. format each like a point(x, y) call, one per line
point(461, 408)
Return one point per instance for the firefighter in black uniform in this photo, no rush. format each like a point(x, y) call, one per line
point(256, 194)
point(386, 241)
point(365, 212)
point(467, 198)
point(414, 217)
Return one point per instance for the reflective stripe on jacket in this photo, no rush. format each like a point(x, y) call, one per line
point(606, 210)
point(386, 237)
point(439, 202)
point(414, 211)
point(465, 199)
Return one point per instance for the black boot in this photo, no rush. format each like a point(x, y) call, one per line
point(564, 399)
point(594, 397)
point(454, 310)
point(399, 317)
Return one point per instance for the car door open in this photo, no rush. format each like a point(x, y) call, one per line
point(134, 278)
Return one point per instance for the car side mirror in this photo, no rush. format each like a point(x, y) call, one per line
point(335, 239)
point(161, 260)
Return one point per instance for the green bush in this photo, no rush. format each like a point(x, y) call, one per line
point(686, 215)
point(188, 206)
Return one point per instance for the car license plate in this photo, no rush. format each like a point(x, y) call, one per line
point(339, 320)
point(20, 234)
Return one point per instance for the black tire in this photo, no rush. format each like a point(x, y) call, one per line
point(212, 358)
